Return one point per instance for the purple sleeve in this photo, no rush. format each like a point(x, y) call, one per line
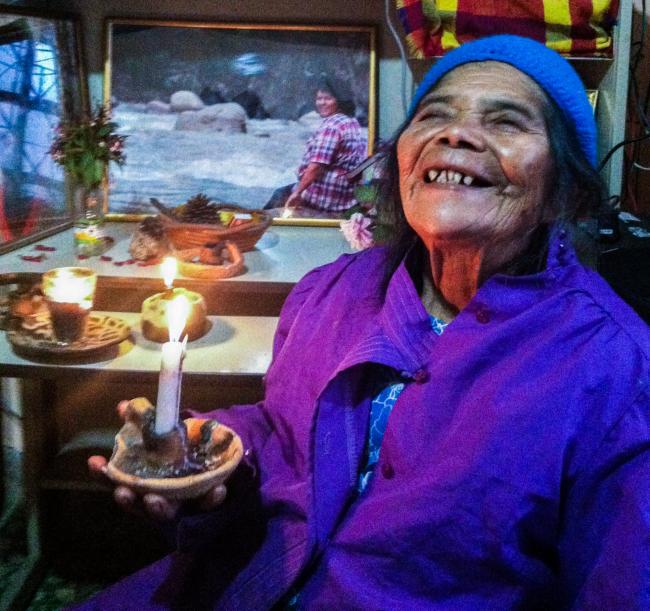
point(605, 546)
point(251, 421)
point(193, 530)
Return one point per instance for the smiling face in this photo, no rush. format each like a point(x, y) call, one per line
point(475, 162)
point(326, 104)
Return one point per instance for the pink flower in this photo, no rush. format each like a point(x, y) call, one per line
point(358, 231)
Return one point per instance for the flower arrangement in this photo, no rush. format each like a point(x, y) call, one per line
point(84, 148)
point(362, 228)
point(358, 230)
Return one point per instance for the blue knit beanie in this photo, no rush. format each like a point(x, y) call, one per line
point(546, 67)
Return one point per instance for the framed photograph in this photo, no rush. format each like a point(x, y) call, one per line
point(237, 112)
point(42, 83)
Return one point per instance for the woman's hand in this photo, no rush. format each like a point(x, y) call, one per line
point(156, 506)
point(312, 173)
point(293, 201)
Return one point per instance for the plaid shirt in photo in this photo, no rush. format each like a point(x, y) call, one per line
point(340, 145)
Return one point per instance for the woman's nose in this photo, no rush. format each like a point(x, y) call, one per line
point(461, 133)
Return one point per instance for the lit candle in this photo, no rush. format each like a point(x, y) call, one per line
point(169, 381)
point(69, 293)
point(154, 308)
point(168, 269)
point(71, 285)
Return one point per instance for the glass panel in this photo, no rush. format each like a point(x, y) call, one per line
point(40, 85)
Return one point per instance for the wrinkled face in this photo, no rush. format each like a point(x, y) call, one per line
point(474, 162)
point(326, 104)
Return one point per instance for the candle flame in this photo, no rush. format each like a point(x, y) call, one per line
point(168, 269)
point(71, 287)
point(178, 310)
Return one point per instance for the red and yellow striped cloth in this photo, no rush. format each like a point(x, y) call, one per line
point(572, 27)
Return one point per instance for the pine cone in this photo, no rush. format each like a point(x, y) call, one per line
point(149, 240)
point(199, 209)
point(153, 227)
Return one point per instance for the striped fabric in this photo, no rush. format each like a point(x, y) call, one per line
point(572, 27)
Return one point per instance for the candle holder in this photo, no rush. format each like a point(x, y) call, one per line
point(69, 293)
point(186, 462)
point(154, 315)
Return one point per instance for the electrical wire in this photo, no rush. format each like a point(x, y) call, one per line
point(406, 95)
point(641, 105)
point(615, 148)
point(635, 156)
point(634, 63)
point(644, 24)
point(639, 120)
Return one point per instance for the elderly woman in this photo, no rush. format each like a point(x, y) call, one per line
point(460, 420)
point(335, 148)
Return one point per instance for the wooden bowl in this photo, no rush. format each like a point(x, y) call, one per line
point(195, 235)
point(224, 446)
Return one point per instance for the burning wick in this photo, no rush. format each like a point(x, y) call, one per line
point(168, 269)
point(169, 381)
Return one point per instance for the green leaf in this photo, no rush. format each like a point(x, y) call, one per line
point(366, 193)
point(99, 171)
point(350, 211)
point(382, 233)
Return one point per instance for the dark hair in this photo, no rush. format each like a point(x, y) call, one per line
point(576, 191)
point(339, 90)
point(579, 190)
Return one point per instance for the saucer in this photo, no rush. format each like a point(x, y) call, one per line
point(33, 335)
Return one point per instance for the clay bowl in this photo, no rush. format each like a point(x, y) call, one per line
point(201, 263)
point(223, 449)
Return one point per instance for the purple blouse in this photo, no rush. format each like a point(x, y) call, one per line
point(514, 471)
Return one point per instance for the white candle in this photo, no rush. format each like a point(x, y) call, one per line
point(169, 387)
point(169, 381)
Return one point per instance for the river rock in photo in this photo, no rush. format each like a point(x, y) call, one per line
point(172, 165)
point(185, 100)
point(227, 118)
point(158, 106)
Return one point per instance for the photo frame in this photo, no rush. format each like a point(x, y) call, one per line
point(226, 110)
point(42, 83)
